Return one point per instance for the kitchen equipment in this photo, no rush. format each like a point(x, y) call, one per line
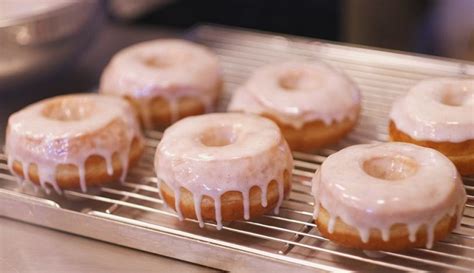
point(37, 38)
point(133, 215)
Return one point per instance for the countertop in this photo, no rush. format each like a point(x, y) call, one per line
point(29, 248)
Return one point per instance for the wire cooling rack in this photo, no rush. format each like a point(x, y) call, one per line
point(133, 215)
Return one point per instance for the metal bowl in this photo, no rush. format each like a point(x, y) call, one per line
point(38, 45)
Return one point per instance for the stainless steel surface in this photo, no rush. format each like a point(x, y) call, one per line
point(27, 248)
point(36, 46)
point(133, 215)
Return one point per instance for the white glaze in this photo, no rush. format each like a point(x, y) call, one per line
point(363, 201)
point(422, 115)
point(184, 70)
point(257, 155)
point(34, 138)
point(319, 92)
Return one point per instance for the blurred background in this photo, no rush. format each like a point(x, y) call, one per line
point(438, 27)
point(48, 47)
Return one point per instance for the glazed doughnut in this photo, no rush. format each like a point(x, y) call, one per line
point(223, 167)
point(313, 104)
point(389, 196)
point(164, 79)
point(439, 114)
point(73, 141)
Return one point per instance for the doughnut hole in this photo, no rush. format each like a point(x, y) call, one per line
point(218, 136)
point(299, 80)
point(390, 168)
point(68, 109)
point(156, 62)
point(457, 97)
point(166, 59)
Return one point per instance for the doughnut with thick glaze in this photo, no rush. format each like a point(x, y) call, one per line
point(164, 79)
point(223, 167)
point(73, 141)
point(439, 114)
point(389, 196)
point(313, 104)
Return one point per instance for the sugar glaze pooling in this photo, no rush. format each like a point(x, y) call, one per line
point(167, 68)
point(255, 155)
point(34, 138)
point(360, 200)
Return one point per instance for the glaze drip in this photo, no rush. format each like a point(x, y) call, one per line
point(197, 198)
point(182, 69)
point(37, 139)
point(255, 155)
point(346, 191)
point(297, 93)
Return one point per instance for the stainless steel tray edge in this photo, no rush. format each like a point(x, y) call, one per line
point(149, 238)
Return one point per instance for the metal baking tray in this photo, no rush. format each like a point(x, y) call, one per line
point(133, 215)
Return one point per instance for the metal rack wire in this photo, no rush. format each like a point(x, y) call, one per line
point(137, 217)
